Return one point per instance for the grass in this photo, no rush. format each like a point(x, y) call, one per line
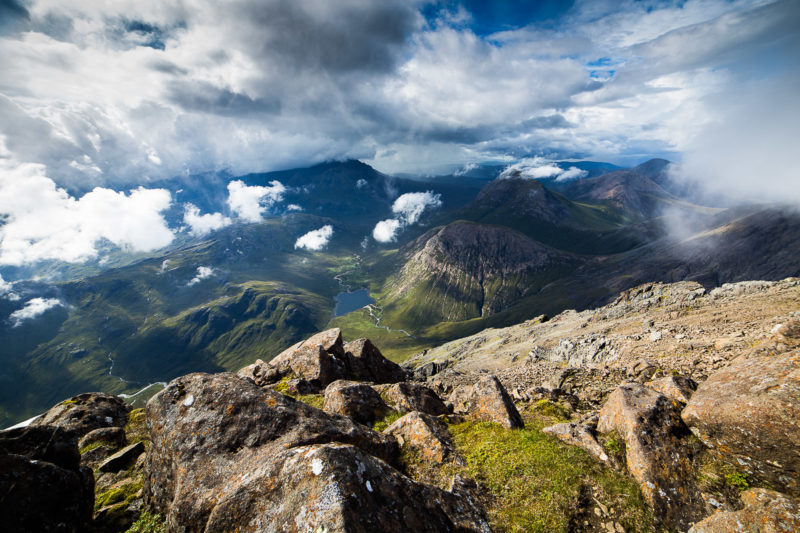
point(391, 417)
point(148, 523)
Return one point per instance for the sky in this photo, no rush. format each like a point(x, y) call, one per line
point(109, 96)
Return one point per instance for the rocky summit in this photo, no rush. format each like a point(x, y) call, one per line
point(669, 409)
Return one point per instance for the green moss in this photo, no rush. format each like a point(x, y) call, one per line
point(69, 402)
point(95, 445)
point(536, 481)
point(122, 494)
point(282, 386)
point(314, 400)
point(737, 480)
point(552, 410)
point(391, 417)
point(136, 428)
point(148, 523)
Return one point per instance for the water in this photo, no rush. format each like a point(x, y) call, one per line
point(350, 301)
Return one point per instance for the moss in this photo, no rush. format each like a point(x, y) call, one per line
point(283, 386)
point(536, 482)
point(737, 480)
point(314, 400)
point(391, 417)
point(148, 523)
point(552, 410)
point(136, 428)
point(95, 445)
point(122, 494)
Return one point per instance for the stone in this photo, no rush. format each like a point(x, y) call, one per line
point(423, 372)
point(123, 458)
point(423, 434)
point(246, 458)
point(748, 414)
point(366, 363)
point(487, 400)
point(678, 388)
point(657, 454)
point(115, 436)
point(765, 511)
point(356, 400)
point(405, 397)
point(85, 412)
point(578, 435)
point(43, 486)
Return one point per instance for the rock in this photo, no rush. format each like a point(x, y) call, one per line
point(427, 370)
point(765, 511)
point(655, 336)
point(749, 414)
point(247, 458)
point(42, 485)
point(657, 455)
point(123, 458)
point(82, 413)
point(406, 397)
point(115, 436)
point(359, 401)
point(678, 388)
point(424, 434)
point(487, 400)
point(366, 363)
point(578, 435)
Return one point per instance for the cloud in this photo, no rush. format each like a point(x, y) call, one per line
point(361, 183)
point(6, 290)
point(294, 207)
point(33, 308)
point(538, 168)
point(203, 272)
point(572, 173)
point(409, 208)
point(249, 202)
point(316, 239)
point(44, 222)
point(201, 225)
point(386, 230)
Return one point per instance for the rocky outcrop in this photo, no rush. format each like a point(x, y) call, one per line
point(114, 436)
point(487, 400)
point(85, 412)
point(578, 435)
point(749, 414)
point(406, 397)
point(424, 435)
point(678, 388)
point(42, 485)
point(228, 455)
point(356, 400)
point(123, 458)
point(366, 363)
point(765, 511)
point(656, 453)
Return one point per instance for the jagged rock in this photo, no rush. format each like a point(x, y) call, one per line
point(82, 413)
point(366, 363)
point(765, 511)
point(406, 397)
point(123, 458)
point(359, 401)
point(487, 400)
point(427, 370)
point(227, 455)
point(657, 455)
point(113, 435)
point(43, 487)
point(749, 414)
point(678, 388)
point(578, 435)
point(424, 434)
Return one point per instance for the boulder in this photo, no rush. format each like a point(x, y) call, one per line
point(42, 485)
point(678, 388)
point(228, 455)
point(405, 397)
point(656, 452)
point(578, 435)
point(115, 436)
point(366, 363)
point(765, 511)
point(487, 400)
point(356, 400)
point(123, 458)
point(749, 415)
point(423, 434)
point(82, 413)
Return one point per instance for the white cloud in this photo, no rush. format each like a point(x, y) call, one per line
point(249, 202)
point(203, 272)
point(294, 207)
point(33, 308)
point(361, 183)
point(411, 205)
point(203, 224)
point(164, 266)
point(572, 173)
point(45, 222)
point(316, 239)
point(538, 168)
point(6, 290)
point(386, 230)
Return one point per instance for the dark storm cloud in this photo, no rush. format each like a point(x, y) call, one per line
point(206, 98)
point(13, 16)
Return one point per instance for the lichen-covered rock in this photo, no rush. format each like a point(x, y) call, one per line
point(749, 414)
point(657, 455)
point(487, 400)
point(85, 412)
point(366, 363)
point(765, 511)
point(123, 458)
point(42, 486)
point(578, 435)
point(678, 388)
point(405, 397)
point(228, 455)
point(423, 434)
point(355, 400)
point(114, 436)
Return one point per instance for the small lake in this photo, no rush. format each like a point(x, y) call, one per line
point(350, 301)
